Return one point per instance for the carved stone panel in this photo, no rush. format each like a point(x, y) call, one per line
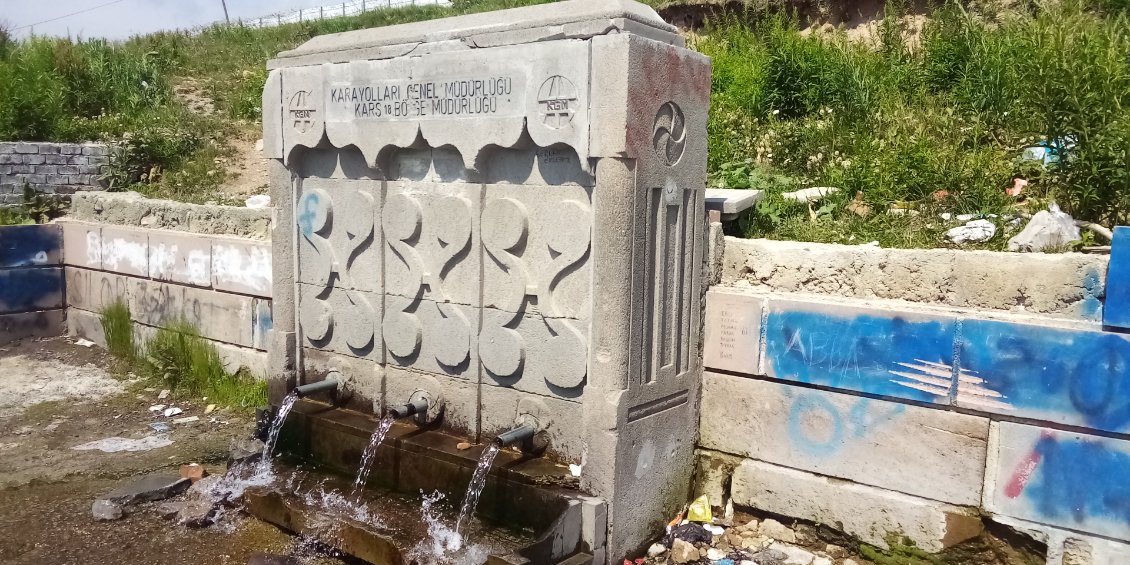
point(339, 274)
point(536, 287)
point(431, 241)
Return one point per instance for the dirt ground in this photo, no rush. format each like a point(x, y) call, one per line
point(47, 488)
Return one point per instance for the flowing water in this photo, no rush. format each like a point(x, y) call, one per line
point(478, 481)
point(273, 434)
point(368, 456)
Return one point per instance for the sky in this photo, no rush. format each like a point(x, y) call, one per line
point(119, 19)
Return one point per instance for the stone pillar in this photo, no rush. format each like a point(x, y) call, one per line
point(504, 210)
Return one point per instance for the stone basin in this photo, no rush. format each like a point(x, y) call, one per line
point(529, 510)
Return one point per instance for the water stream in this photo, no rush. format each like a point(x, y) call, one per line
point(273, 435)
point(368, 456)
point(478, 481)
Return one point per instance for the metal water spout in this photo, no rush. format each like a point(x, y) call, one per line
point(523, 434)
point(423, 406)
point(329, 384)
point(414, 406)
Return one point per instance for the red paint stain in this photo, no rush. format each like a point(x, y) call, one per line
point(1023, 472)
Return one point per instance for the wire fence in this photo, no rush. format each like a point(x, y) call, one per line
point(350, 8)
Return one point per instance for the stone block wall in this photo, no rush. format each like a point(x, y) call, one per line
point(50, 168)
point(221, 285)
point(914, 393)
point(31, 282)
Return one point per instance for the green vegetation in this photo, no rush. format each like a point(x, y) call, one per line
point(117, 325)
point(177, 357)
point(929, 120)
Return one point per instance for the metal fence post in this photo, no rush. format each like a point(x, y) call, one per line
point(321, 12)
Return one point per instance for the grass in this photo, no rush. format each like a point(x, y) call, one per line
point(934, 122)
point(933, 119)
point(178, 358)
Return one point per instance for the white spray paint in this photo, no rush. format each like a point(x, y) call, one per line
point(243, 265)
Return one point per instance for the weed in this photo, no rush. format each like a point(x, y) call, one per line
point(181, 360)
point(184, 361)
point(117, 325)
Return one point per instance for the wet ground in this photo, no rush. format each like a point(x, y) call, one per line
point(47, 488)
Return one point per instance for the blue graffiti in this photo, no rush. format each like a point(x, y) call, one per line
point(24, 246)
point(1069, 376)
point(308, 206)
point(1092, 306)
point(855, 351)
point(841, 424)
point(1116, 312)
point(1080, 480)
point(25, 290)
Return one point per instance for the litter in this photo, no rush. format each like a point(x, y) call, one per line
point(159, 427)
point(157, 408)
point(172, 411)
point(84, 342)
point(699, 510)
point(690, 533)
point(974, 231)
point(187, 420)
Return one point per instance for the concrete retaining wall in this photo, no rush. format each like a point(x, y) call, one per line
point(891, 392)
point(221, 285)
point(31, 282)
point(50, 168)
point(134, 210)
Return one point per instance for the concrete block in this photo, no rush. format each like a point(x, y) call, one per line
point(712, 475)
point(1116, 310)
point(869, 513)
point(900, 353)
point(1064, 479)
point(218, 316)
point(125, 251)
point(47, 323)
point(242, 267)
point(7, 148)
point(531, 353)
point(499, 408)
point(1071, 376)
point(338, 239)
point(461, 403)
point(554, 265)
point(362, 385)
point(920, 451)
point(343, 321)
point(730, 202)
point(733, 331)
point(444, 256)
point(70, 149)
point(57, 160)
point(235, 358)
point(262, 324)
point(24, 290)
point(34, 245)
point(69, 170)
point(85, 324)
point(104, 289)
point(1059, 285)
point(432, 337)
point(27, 148)
point(50, 148)
point(34, 160)
point(180, 258)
